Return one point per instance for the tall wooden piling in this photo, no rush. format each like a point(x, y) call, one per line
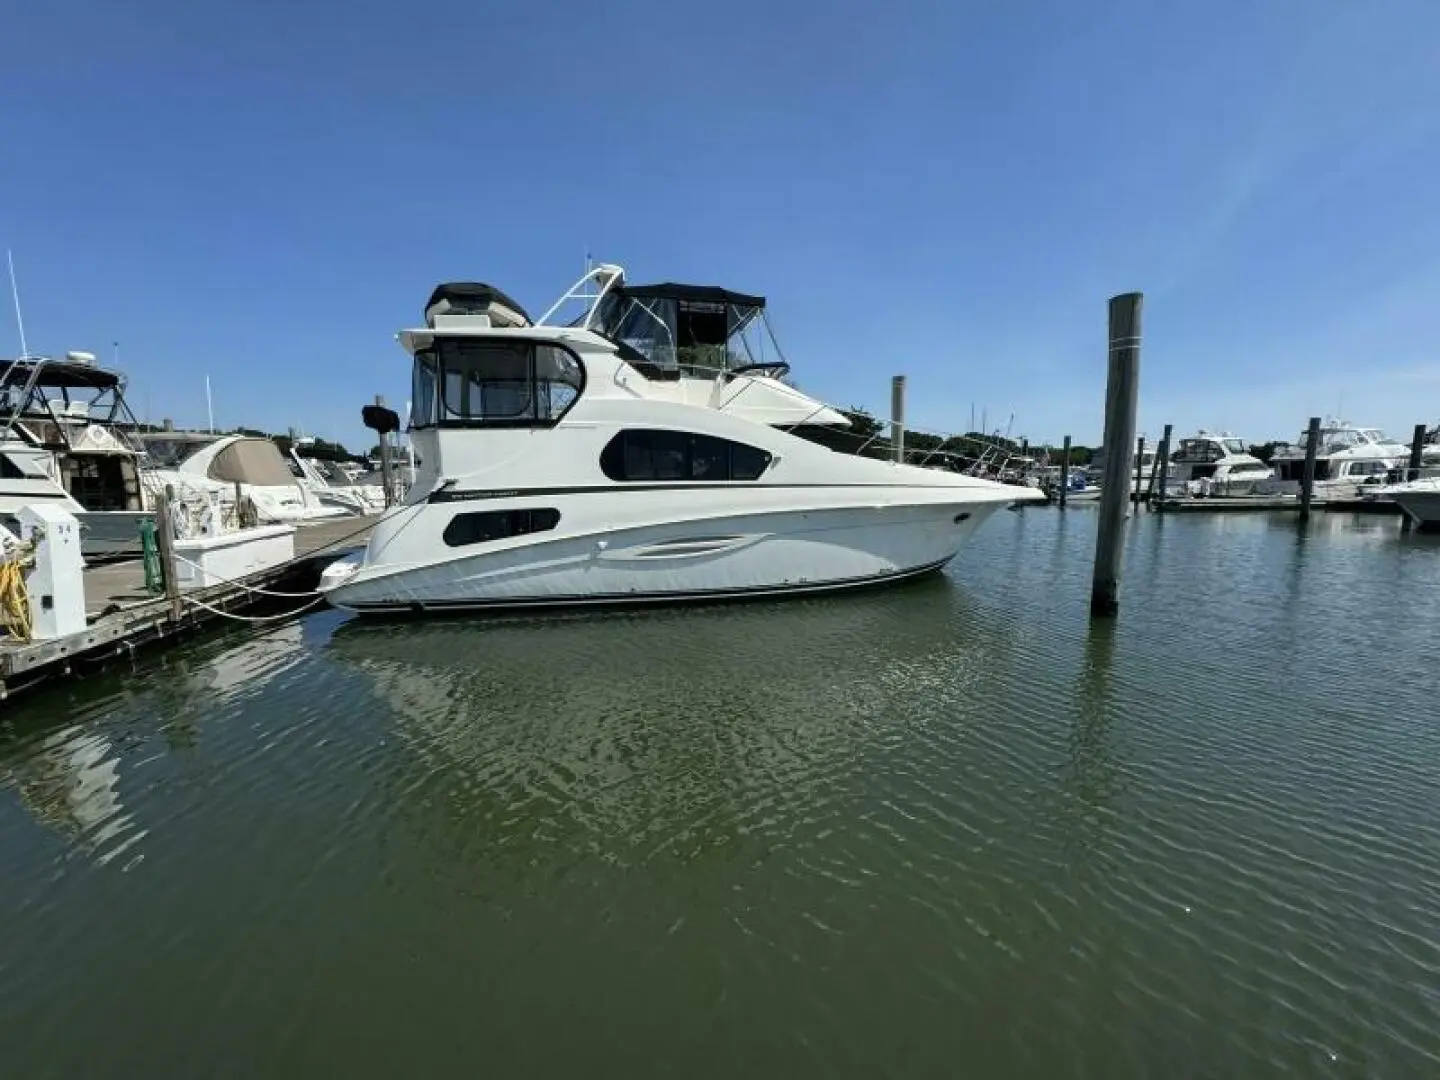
point(1162, 462)
point(165, 540)
point(1064, 470)
point(1307, 479)
point(897, 417)
point(1121, 396)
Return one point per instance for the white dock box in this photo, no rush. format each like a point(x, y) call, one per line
point(55, 584)
point(217, 560)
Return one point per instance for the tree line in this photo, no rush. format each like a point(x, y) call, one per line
point(865, 429)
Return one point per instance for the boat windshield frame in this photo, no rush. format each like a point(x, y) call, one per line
point(494, 381)
point(687, 331)
point(36, 389)
point(670, 330)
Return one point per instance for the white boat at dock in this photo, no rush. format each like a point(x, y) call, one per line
point(199, 465)
point(63, 443)
point(1348, 460)
point(1216, 464)
point(641, 453)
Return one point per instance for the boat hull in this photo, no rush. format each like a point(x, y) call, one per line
point(1421, 507)
point(766, 553)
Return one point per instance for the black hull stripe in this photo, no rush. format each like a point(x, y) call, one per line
point(631, 599)
point(445, 495)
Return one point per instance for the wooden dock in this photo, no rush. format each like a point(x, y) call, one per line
point(122, 615)
point(1241, 503)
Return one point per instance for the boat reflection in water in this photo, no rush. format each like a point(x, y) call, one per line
point(69, 781)
point(644, 723)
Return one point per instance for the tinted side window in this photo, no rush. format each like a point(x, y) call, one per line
point(646, 454)
point(486, 525)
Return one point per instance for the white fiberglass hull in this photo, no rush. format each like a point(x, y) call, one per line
point(765, 552)
point(1419, 501)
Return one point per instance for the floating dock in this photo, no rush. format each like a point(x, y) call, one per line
point(122, 614)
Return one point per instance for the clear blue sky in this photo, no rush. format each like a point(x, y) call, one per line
point(266, 191)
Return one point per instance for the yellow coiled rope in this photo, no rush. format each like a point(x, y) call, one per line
point(14, 600)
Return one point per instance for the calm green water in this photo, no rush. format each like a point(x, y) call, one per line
point(942, 830)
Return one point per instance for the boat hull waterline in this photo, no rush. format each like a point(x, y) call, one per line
point(767, 553)
point(1418, 501)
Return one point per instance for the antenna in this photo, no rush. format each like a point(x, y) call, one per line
point(209, 405)
point(15, 295)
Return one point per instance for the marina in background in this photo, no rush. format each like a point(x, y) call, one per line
point(212, 522)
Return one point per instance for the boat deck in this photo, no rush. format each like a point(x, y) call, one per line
point(122, 614)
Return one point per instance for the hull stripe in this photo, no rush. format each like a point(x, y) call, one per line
point(626, 599)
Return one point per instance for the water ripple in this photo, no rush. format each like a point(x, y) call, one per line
point(876, 835)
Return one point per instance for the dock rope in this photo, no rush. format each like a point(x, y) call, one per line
point(248, 588)
point(316, 596)
point(271, 592)
point(15, 599)
point(255, 618)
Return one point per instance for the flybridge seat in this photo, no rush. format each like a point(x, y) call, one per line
point(461, 304)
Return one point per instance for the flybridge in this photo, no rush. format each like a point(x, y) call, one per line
point(462, 305)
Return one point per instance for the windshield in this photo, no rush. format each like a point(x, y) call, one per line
point(1234, 446)
point(473, 381)
point(167, 453)
point(692, 336)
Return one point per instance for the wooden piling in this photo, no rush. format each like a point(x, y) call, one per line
point(897, 417)
point(1121, 396)
point(1139, 469)
point(1412, 469)
point(387, 478)
point(1417, 454)
point(1162, 463)
point(1064, 470)
point(165, 540)
point(1307, 480)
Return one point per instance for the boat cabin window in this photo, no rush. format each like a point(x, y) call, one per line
point(486, 382)
point(1199, 450)
point(649, 454)
point(1367, 468)
point(1235, 446)
point(485, 525)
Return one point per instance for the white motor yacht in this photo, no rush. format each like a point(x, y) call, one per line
point(200, 465)
point(645, 452)
point(63, 442)
point(1208, 463)
point(1348, 459)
